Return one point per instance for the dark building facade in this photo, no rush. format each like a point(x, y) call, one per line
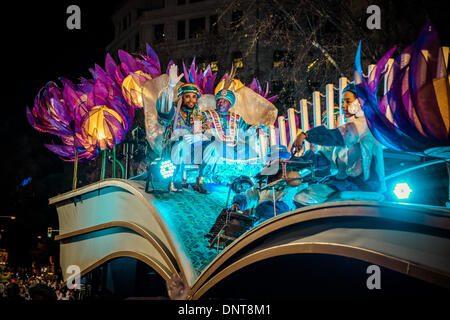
point(211, 31)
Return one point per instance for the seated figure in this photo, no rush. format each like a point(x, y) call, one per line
point(235, 138)
point(269, 199)
point(352, 150)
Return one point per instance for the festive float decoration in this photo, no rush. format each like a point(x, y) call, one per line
point(418, 98)
point(256, 86)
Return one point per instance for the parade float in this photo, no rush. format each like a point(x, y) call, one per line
point(111, 228)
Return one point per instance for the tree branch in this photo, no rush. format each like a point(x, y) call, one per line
point(313, 42)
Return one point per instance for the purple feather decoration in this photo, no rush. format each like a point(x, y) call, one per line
point(203, 79)
point(63, 112)
point(152, 56)
point(418, 122)
point(255, 85)
point(127, 61)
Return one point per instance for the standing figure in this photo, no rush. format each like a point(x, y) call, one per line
point(184, 125)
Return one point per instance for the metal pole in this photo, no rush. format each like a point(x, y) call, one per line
point(282, 128)
point(305, 120)
point(329, 96)
point(75, 171)
point(317, 114)
point(274, 207)
point(114, 162)
point(342, 85)
point(292, 127)
point(103, 165)
point(447, 204)
point(126, 146)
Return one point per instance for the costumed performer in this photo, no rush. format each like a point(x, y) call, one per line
point(238, 115)
point(356, 155)
point(269, 199)
point(175, 110)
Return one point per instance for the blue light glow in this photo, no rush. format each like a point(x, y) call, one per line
point(402, 190)
point(25, 182)
point(167, 169)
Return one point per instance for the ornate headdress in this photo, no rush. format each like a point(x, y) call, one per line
point(350, 87)
point(225, 93)
point(187, 88)
point(204, 81)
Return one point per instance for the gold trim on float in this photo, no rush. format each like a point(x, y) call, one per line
point(157, 244)
point(134, 188)
point(356, 209)
point(396, 264)
point(160, 269)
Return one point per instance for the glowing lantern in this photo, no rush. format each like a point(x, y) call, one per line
point(132, 88)
point(103, 126)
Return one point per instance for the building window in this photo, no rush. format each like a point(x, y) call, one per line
point(194, 1)
point(159, 32)
point(181, 30)
point(196, 27)
point(214, 66)
point(156, 4)
point(181, 2)
point(213, 24)
point(238, 60)
point(278, 57)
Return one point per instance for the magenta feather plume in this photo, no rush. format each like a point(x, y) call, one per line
point(203, 79)
point(255, 85)
point(417, 122)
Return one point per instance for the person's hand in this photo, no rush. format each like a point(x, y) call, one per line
point(173, 75)
point(298, 143)
point(235, 207)
point(177, 288)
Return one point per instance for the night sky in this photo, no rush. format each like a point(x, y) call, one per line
point(40, 48)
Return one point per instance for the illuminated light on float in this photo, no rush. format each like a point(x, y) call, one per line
point(167, 169)
point(132, 88)
point(402, 191)
point(101, 126)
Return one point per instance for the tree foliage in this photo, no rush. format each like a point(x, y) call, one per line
point(315, 41)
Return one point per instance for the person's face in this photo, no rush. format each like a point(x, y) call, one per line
point(349, 97)
point(190, 100)
point(223, 105)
